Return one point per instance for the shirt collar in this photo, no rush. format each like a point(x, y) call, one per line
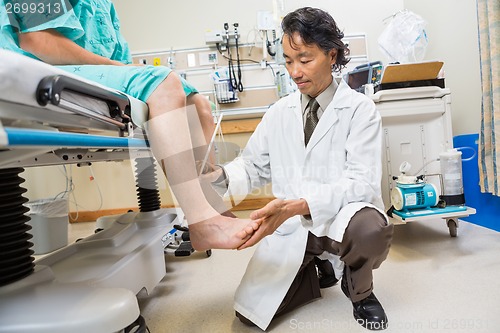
point(324, 99)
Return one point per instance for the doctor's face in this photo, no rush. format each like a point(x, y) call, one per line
point(308, 65)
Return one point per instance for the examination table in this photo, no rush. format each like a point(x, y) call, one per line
point(50, 117)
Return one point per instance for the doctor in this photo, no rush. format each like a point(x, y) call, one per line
point(326, 179)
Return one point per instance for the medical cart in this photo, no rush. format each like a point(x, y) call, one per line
point(417, 128)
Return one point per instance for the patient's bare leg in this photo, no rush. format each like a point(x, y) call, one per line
point(169, 136)
point(202, 126)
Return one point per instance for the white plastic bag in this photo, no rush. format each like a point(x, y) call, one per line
point(404, 40)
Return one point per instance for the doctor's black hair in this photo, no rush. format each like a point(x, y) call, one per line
point(316, 26)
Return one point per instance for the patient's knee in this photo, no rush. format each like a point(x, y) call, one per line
point(168, 96)
point(202, 105)
point(172, 82)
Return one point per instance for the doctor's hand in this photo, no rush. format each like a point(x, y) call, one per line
point(272, 215)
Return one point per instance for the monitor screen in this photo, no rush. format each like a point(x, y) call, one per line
point(357, 78)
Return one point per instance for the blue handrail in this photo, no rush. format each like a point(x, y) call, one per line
point(21, 137)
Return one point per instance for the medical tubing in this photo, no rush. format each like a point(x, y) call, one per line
point(426, 164)
point(93, 178)
point(16, 256)
point(148, 195)
point(239, 84)
point(232, 75)
point(228, 58)
point(232, 78)
point(268, 46)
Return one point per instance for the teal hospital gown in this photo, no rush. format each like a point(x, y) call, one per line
point(93, 25)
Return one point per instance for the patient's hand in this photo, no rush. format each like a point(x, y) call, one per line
point(221, 232)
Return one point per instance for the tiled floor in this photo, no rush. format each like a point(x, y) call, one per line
point(429, 283)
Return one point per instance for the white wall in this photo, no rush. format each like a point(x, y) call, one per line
point(151, 25)
point(356, 16)
point(452, 29)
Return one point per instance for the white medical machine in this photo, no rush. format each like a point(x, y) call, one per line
point(417, 132)
point(50, 117)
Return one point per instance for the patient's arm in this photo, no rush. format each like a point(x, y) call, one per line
point(55, 49)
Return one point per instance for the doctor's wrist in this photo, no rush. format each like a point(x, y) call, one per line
point(297, 207)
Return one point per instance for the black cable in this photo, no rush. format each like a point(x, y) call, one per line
point(241, 60)
point(232, 78)
point(217, 45)
point(272, 69)
point(240, 84)
point(236, 81)
point(268, 46)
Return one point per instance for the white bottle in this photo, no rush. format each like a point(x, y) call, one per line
point(451, 170)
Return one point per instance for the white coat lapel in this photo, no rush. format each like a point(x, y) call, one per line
point(330, 116)
point(294, 123)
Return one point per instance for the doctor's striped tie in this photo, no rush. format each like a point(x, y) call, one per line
point(311, 119)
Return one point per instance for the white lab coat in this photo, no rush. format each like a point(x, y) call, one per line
point(338, 173)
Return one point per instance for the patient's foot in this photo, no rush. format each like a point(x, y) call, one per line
point(221, 232)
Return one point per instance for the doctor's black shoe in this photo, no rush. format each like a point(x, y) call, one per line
point(244, 319)
point(326, 274)
point(368, 312)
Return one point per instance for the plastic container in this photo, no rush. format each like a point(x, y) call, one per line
point(451, 170)
point(224, 92)
point(49, 222)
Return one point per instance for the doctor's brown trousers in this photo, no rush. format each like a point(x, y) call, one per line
point(364, 247)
